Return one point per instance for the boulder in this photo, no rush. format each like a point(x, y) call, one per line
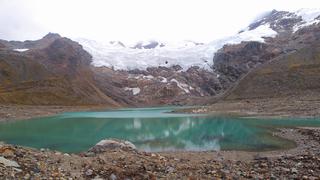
point(108, 144)
point(8, 163)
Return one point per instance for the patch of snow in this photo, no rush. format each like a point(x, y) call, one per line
point(20, 50)
point(256, 34)
point(149, 77)
point(135, 91)
point(163, 79)
point(182, 86)
point(308, 16)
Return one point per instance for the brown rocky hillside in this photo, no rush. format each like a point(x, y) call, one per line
point(58, 73)
point(293, 75)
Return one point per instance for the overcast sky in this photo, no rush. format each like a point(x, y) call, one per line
point(132, 20)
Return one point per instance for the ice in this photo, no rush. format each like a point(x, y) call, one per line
point(185, 53)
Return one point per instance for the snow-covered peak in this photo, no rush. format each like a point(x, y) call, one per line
point(156, 53)
point(129, 58)
point(284, 21)
point(308, 15)
point(100, 44)
point(256, 34)
point(186, 54)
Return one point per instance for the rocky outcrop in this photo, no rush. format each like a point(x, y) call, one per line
point(233, 61)
point(63, 56)
point(37, 44)
point(292, 75)
point(157, 85)
point(280, 21)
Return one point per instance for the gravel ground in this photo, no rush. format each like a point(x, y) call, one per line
point(271, 107)
point(302, 162)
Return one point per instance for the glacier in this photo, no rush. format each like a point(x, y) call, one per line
point(184, 54)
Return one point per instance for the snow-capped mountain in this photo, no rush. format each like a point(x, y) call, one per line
point(142, 55)
point(281, 21)
point(187, 53)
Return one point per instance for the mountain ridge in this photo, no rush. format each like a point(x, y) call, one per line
point(165, 81)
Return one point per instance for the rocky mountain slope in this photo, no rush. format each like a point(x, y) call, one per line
point(56, 70)
point(53, 71)
point(185, 73)
point(233, 62)
point(295, 75)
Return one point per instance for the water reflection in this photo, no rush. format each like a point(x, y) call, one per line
point(163, 132)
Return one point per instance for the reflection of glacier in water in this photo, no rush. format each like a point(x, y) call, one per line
point(150, 129)
point(169, 138)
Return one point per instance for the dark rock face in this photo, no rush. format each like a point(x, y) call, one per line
point(38, 44)
point(292, 75)
point(280, 21)
point(233, 61)
point(65, 55)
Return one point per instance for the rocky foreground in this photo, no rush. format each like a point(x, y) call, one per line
point(120, 160)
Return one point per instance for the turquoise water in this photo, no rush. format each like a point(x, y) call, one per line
point(150, 129)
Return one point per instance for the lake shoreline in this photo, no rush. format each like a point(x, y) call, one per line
point(9, 113)
point(254, 108)
point(302, 162)
point(291, 107)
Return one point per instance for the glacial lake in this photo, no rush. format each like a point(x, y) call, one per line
point(150, 129)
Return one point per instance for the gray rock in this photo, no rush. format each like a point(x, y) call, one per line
point(113, 177)
point(89, 172)
point(294, 170)
point(107, 144)
point(27, 176)
point(170, 169)
point(285, 169)
point(9, 163)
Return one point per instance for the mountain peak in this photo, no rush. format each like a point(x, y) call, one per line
point(283, 21)
point(51, 35)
